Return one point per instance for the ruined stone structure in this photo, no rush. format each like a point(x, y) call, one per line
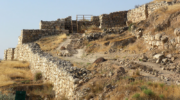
point(115, 19)
point(137, 14)
point(33, 35)
point(142, 12)
point(57, 71)
point(9, 54)
point(161, 41)
point(60, 72)
point(95, 20)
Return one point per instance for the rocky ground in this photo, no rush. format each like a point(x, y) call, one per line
point(112, 64)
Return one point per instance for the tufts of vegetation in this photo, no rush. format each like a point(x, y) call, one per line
point(38, 76)
point(136, 96)
point(148, 92)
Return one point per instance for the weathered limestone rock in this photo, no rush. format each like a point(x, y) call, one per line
point(177, 31)
point(158, 36)
point(158, 56)
point(164, 39)
point(169, 56)
point(99, 60)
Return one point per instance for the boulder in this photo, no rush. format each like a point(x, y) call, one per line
point(165, 60)
point(169, 56)
point(158, 56)
point(177, 31)
point(164, 39)
point(62, 48)
point(99, 60)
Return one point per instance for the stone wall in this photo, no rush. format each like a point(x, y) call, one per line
point(59, 24)
point(57, 71)
point(162, 41)
point(74, 26)
point(137, 14)
point(9, 54)
point(33, 35)
point(115, 19)
point(68, 24)
point(142, 12)
point(95, 20)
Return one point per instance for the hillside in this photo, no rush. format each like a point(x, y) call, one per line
point(125, 55)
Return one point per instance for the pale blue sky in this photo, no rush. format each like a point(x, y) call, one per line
point(16, 15)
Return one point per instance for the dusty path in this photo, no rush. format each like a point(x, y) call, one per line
point(65, 43)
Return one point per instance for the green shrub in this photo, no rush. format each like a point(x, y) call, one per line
point(148, 92)
point(143, 88)
point(137, 95)
point(161, 96)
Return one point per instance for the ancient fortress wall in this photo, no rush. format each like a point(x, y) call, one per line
point(57, 71)
point(142, 12)
point(33, 35)
point(58, 24)
point(115, 19)
point(95, 20)
point(137, 14)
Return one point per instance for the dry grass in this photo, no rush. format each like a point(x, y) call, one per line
point(169, 9)
point(137, 47)
point(99, 45)
point(156, 91)
point(51, 42)
point(91, 29)
point(8, 70)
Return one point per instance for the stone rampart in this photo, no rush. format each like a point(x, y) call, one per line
point(137, 14)
point(142, 12)
point(33, 35)
point(57, 71)
point(115, 19)
point(68, 24)
point(59, 24)
point(95, 20)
